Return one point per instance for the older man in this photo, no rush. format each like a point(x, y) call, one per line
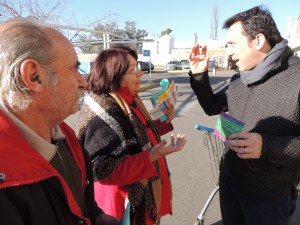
point(45, 177)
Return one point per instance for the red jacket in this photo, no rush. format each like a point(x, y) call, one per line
point(22, 166)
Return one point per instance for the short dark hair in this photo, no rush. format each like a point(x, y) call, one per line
point(109, 68)
point(256, 21)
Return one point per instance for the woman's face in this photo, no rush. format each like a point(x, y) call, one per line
point(132, 78)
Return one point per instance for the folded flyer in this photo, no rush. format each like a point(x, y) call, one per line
point(125, 219)
point(227, 125)
point(168, 95)
point(156, 98)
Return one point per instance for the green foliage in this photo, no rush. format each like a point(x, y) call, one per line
point(166, 32)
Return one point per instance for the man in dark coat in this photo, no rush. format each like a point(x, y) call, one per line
point(260, 172)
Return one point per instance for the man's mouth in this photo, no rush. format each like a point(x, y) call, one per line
point(80, 93)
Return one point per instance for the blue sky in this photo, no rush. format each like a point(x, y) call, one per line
point(184, 17)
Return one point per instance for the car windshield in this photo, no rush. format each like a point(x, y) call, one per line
point(185, 62)
point(212, 64)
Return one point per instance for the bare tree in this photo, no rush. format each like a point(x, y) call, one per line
point(42, 10)
point(129, 36)
point(53, 13)
point(214, 22)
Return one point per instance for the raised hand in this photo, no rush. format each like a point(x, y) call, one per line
point(199, 59)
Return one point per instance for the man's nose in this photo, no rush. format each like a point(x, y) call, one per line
point(81, 81)
point(229, 51)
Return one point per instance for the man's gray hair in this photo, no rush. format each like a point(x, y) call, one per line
point(21, 40)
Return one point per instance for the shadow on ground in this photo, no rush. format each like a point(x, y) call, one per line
point(217, 223)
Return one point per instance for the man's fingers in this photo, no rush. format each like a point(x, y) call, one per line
point(195, 51)
point(192, 55)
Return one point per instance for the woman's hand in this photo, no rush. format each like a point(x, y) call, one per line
point(162, 149)
point(170, 112)
point(199, 59)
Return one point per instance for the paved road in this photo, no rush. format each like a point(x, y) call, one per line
point(191, 171)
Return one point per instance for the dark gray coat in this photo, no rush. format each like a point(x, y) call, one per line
point(269, 107)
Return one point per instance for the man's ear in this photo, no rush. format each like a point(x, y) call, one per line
point(262, 44)
point(30, 71)
point(260, 41)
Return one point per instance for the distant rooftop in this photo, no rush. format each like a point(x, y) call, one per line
point(212, 44)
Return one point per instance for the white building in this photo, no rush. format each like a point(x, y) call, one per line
point(165, 49)
point(161, 49)
point(292, 34)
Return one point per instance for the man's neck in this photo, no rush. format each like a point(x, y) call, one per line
point(36, 122)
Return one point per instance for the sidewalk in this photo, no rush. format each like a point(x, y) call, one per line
point(146, 85)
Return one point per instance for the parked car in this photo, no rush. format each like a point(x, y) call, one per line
point(172, 65)
point(145, 66)
point(184, 64)
point(212, 64)
point(152, 65)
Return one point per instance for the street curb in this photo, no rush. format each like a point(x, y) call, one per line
point(159, 71)
point(149, 86)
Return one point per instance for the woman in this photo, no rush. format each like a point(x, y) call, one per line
point(124, 142)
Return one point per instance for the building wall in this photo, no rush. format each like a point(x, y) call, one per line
point(293, 34)
point(166, 45)
point(87, 57)
point(168, 49)
point(298, 26)
point(179, 54)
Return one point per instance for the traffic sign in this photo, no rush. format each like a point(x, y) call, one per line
point(84, 67)
point(146, 53)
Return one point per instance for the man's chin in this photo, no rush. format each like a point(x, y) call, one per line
point(80, 93)
point(241, 68)
point(73, 110)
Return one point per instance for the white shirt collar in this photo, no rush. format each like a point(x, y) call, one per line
point(47, 150)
